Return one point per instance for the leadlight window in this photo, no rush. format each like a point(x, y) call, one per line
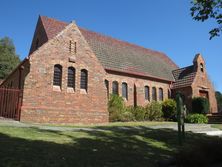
point(57, 78)
point(147, 93)
point(169, 94)
point(71, 77)
point(160, 94)
point(115, 88)
point(125, 90)
point(107, 87)
point(154, 96)
point(84, 79)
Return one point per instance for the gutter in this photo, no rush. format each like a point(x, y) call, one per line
point(139, 75)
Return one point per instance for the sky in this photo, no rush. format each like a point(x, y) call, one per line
point(162, 25)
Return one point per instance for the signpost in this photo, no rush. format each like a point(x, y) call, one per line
point(180, 118)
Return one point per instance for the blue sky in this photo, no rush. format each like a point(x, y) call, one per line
point(161, 25)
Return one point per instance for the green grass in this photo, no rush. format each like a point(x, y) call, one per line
point(112, 124)
point(118, 144)
point(218, 126)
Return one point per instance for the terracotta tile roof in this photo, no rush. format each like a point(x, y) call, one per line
point(184, 77)
point(119, 55)
point(52, 26)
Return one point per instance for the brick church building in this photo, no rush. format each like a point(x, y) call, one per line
point(70, 72)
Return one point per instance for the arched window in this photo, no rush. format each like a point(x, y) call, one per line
point(147, 93)
point(71, 77)
point(57, 79)
point(84, 79)
point(125, 90)
point(115, 88)
point(201, 67)
point(154, 97)
point(160, 94)
point(107, 87)
point(169, 94)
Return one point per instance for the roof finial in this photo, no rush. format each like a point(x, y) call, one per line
point(73, 21)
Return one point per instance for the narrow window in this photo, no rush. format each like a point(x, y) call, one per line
point(57, 79)
point(84, 79)
point(75, 48)
point(72, 47)
point(115, 88)
point(201, 67)
point(147, 93)
point(160, 94)
point(107, 87)
point(71, 77)
point(154, 97)
point(125, 90)
point(169, 94)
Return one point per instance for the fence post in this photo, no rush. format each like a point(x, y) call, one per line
point(19, 105)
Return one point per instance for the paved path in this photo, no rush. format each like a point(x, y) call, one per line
point(195, 128)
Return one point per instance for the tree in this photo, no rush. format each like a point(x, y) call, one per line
point(203, 10)
point(219, 100)
point(8, 58)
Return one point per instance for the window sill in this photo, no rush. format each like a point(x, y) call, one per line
point(70, 90)
point(125, 99)
point(83, 91)
point(56, 88)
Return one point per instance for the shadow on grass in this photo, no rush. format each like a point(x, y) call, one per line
point(102, 146)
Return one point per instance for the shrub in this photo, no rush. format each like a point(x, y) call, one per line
point(200, 105)
point(119, 112)
point(153, 111)
point(169, 108)
point(139, 113)
point(127, 115)
point(219, 101)
point(115, 108)
point(197, 118)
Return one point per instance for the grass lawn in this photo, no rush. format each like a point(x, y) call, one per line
point(112, 124)
point(218, 126)
point(118, 144)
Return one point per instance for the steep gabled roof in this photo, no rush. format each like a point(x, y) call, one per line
point(52, 26)
point(118, 55)
point(184, 77)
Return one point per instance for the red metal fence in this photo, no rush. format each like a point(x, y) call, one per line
point(10, 103)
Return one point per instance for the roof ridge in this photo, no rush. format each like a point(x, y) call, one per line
point(183, 68)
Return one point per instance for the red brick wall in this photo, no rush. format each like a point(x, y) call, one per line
point(202, 82)
point(140, 84)
point(43, 104)
point(187, 93)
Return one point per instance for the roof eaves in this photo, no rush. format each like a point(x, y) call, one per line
point(139, 74)
point(26, 59)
